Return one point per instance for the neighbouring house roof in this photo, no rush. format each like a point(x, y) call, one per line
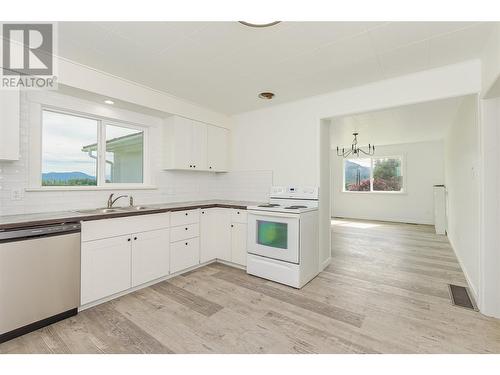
point(115, 144)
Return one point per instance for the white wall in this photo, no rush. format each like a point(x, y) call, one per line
point(490, 61)
point(286, 138)
point(462, 162)
point(423, 167)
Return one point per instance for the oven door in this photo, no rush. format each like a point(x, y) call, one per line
point(274, 235)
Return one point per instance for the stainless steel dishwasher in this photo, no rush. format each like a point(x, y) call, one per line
point(39, 277)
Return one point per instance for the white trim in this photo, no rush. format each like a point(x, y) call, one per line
point(473, 288)
point(326, 263)
point(146, 156)
point(401, 192)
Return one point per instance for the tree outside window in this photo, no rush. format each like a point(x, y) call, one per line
point(383, 174)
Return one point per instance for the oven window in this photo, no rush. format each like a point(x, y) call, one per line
point(272, 234)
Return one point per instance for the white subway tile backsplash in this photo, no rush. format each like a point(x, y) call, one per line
point(173, 186)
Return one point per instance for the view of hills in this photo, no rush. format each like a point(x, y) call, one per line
point(67, 178)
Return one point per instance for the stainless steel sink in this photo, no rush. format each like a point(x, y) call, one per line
point(101, 211)
point(135, 208)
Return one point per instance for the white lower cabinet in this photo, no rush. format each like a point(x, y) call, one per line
point(150, 256)
point(215, 237)
point(184, 254)
point(239, 243)
point(223, 235)
point(105, 268)
point(114, 259)
point(185, 240)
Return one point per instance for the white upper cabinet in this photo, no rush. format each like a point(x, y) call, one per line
point(9, 124)
point(199, 145)
point(217, 142)
point(194, 145)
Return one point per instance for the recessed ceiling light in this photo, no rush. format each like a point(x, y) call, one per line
point(266, 95)
point(252, 24)
point(107, 101)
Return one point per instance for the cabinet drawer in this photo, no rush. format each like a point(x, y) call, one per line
point(184, 232)
point(239, 216)
point(106, 228)
point(184, 254)
point(185, 217)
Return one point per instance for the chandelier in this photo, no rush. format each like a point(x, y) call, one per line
point(355, 150)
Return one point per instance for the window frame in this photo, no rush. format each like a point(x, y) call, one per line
point(101, 168)
point(77, 107)
point(401, 157)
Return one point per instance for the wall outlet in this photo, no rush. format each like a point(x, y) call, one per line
point(17, 195)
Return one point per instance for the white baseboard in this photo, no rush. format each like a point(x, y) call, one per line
point(325, 263)
point(388, 220)
point(231, 264)
point(472, 287)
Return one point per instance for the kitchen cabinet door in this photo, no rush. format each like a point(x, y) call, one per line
point(9, 124)
point(105, 268)
point(215, 236)
point(184, 254)
point(208, 235)
point(150, 256)
point(182, 144)
point(239, 243)
point(199, 146)
point(217, 148)
point(194, 145)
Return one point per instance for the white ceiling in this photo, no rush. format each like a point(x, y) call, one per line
point(407, 124)
point(224, 65)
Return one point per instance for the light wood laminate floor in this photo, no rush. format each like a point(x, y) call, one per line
point(384, 292)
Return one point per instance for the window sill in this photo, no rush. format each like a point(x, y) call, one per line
point(92, 188)
point(376, 192)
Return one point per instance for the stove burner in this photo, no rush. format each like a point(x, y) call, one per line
point(268, 205)
point(294, 207)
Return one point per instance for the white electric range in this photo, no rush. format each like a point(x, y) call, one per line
point(283, 236)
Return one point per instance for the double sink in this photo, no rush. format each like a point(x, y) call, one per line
point(110, 209)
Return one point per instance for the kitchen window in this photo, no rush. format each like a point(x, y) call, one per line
point(84, 152)
point(382, 174)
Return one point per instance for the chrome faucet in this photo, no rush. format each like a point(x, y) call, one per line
point(112, 201)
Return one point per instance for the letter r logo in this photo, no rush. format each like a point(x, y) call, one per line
point(27, 49)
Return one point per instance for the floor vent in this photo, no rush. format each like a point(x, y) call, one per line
point(460, 297)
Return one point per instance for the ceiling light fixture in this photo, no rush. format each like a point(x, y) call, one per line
point(108, 101)
point(355, 150)
point(266, 95)
point(251, 24)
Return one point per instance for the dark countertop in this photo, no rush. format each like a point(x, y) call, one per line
point(44, 218)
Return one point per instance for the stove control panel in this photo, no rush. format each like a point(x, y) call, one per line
point(294, 192)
